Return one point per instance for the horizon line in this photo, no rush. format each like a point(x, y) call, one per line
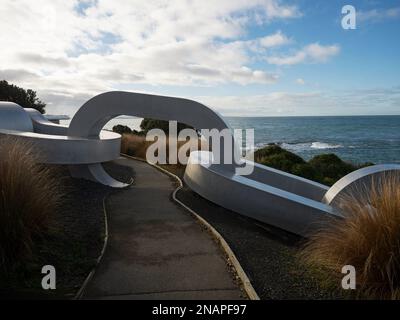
point(300, 116)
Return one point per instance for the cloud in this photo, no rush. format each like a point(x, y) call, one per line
point(378, 15)
point(313, 53)
point(245, 75)
point(375, 101)
point(41, 60)
point(274, 40)
point(17, 75)
point(300, 81)
point(271, 104)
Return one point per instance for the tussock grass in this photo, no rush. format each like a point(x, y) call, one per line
point(29, 194)
point(136, 145)
point(368, 238)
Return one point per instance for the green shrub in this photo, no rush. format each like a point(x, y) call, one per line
point(305, 170)
point(330, 166)
point(324, 168)
point(276, 157)
point(147, 124)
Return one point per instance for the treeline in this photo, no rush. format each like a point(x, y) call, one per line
point(25, 98)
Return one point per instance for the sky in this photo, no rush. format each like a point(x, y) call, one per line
point(241, 58)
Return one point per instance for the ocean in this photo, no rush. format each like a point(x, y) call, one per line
point(353, 138)
point(357, 139)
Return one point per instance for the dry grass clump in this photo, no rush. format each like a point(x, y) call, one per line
point(135, 145)
point(368, 238)
point(29, 194)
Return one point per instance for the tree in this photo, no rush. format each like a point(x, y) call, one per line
point(148, 124)
point(121, 129)
point(25, 98)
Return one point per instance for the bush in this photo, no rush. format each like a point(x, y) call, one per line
point(330, 167)
point(324, 168)
point(305, 170)
point(368, 238)
point(29, 196)
point(274, 149)
point(147, 124)
point(278, 158)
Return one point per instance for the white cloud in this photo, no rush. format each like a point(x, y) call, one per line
point(277, 39)
point(377, 15)
point(312, 53)
point(38, 59)
point(271, 104)
point(300, 81)
point(352, 102)
point(17, 75)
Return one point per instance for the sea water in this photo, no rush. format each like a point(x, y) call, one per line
point(353, 138)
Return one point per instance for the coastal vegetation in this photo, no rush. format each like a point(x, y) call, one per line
point(323, 168)
point(367, 238)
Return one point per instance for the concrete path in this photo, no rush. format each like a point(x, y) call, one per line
point(156, 250)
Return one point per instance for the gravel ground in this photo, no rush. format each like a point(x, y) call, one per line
point(267, 254)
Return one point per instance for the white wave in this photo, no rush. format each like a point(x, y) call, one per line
point(323, 145)
point(296, 146)
point(309, 146)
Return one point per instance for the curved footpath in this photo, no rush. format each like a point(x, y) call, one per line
point(156, 250)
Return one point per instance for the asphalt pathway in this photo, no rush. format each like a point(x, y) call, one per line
point(156, 250)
